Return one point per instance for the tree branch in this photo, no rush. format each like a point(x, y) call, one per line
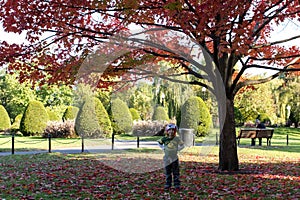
point(276, 42)
point(254, 82)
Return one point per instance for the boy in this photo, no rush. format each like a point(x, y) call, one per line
point(171, 144)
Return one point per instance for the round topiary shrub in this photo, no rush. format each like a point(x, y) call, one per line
point(120, 117)
point(70, 113)
point(103, 118)
point(4, 119)
point(86, 123)
point(135, 114)
point(195, 115)
point(34, 120)
point(160, 114)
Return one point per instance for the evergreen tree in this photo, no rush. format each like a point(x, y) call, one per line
point(160, 114)
point(86, 123)
point(70, 113)
point(135, 114)
point(34, 120)
point(16, 123)
point(103, 118)
point(195, 115)
point(120, 117)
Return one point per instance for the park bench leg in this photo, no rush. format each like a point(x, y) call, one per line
point(259, 141)
point(253, 142)
point(269, 141)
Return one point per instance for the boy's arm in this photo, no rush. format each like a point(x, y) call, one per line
point(161, 143)
point(180, 144)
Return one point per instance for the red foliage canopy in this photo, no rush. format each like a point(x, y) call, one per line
point(60, 32)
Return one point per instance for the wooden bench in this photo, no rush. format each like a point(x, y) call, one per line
point(254, 133)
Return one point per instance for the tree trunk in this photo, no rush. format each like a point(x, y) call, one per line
point(228, 159)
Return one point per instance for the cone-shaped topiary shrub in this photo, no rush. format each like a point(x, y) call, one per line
point(70, 113)
point(34, 120)
point(135, 114)
point(4, 119)
point(86, 123)
point(160, 114)
point(195, 115)
point(16, 125)
point(121, 118)
point(103, 118)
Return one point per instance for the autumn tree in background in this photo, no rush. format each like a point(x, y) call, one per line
point(15, 96)
point(255, 101)
point(61, 33)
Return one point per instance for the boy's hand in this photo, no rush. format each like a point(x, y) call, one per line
point(180, 147)
point(161, 146)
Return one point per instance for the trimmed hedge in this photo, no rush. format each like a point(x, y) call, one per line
point(86, 123)
point(103, 118)
point(4, 119)
point(195, 115)
point(34, 120)
point(135, 114)
point(160, 114)
point(16, 125)
point(120, 117)
point(70, 113)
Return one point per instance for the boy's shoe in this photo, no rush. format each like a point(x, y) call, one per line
point(177, 187)
point(167, 187)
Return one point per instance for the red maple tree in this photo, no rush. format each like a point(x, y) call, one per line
point(61, 33)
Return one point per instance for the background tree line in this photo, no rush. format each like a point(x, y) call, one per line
point(276, 102)
point(157, 100)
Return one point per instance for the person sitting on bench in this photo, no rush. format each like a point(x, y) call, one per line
point(261, 125)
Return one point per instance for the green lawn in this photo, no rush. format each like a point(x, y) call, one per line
point(35, 143)
point(279, 141)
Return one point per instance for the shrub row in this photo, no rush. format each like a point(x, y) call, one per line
point(92, 119)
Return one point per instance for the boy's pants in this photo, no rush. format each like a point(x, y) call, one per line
point(170, 169)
